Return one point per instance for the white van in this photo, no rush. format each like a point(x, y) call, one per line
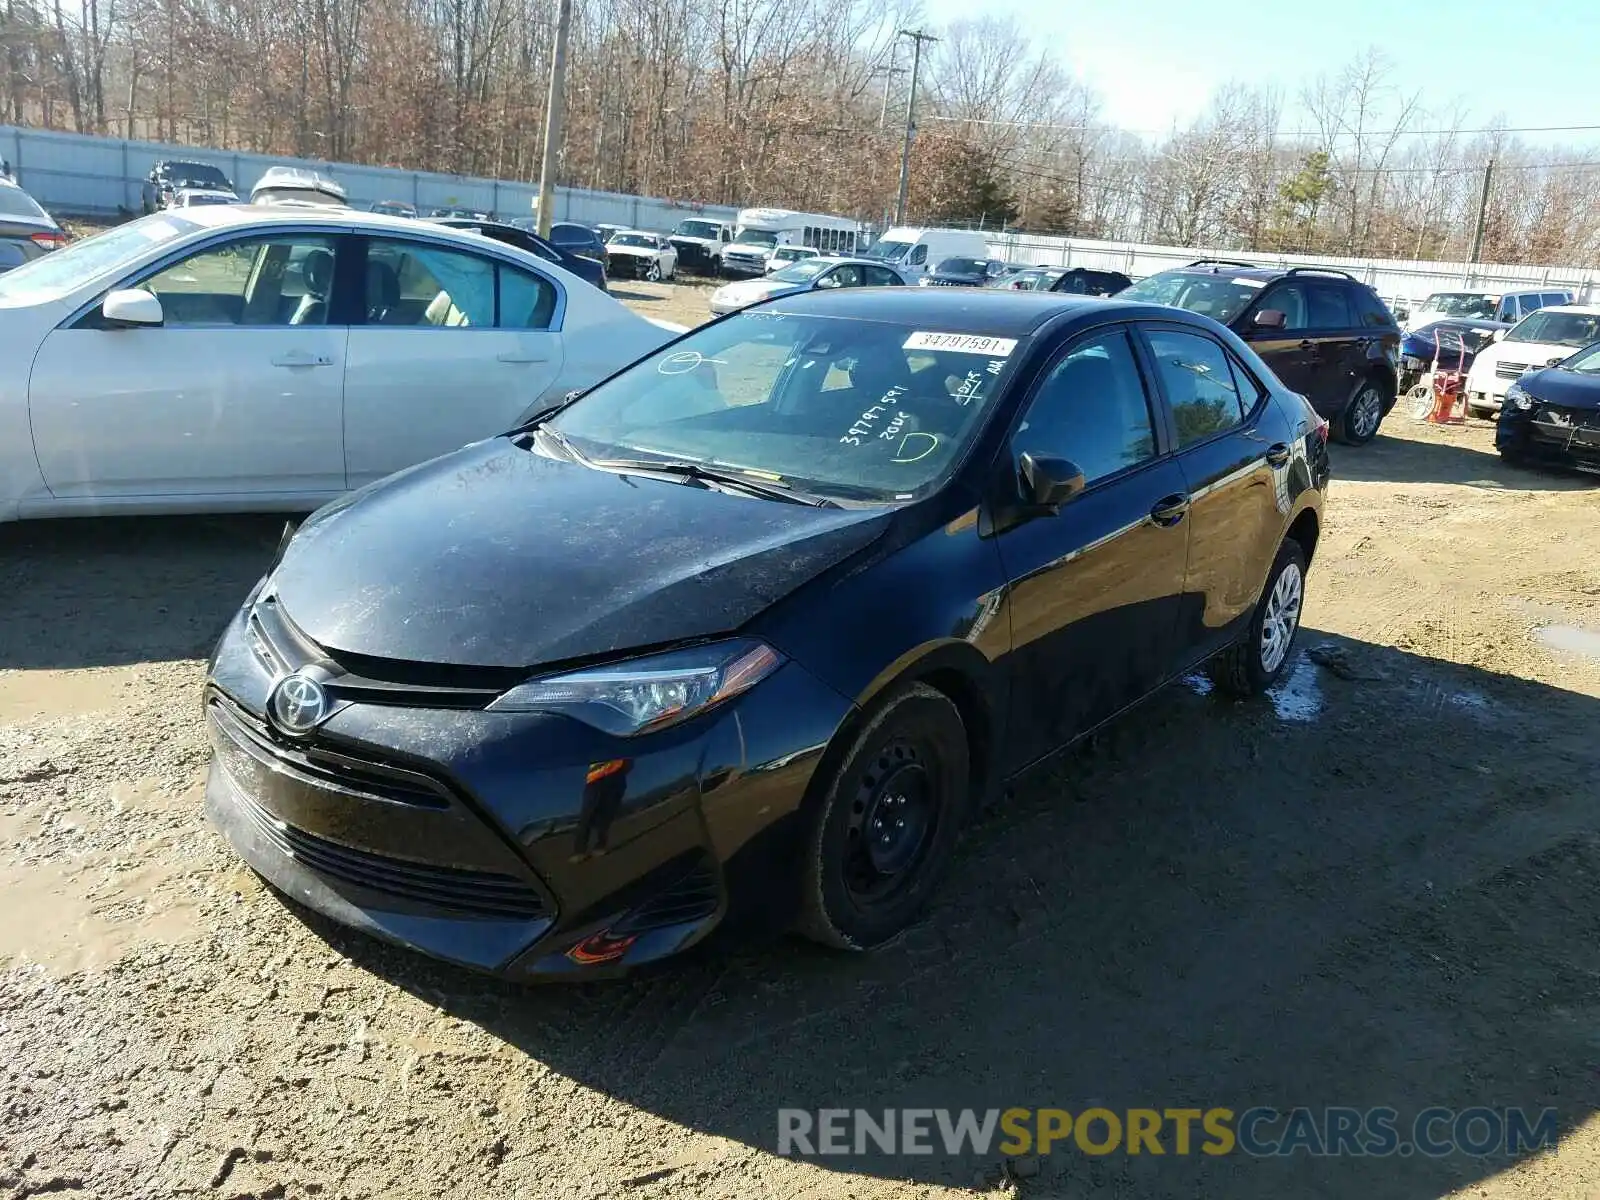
point(915, 252)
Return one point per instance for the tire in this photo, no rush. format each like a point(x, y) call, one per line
point(909, 764)
point(652, 273)
point(1249, 667)
point(1358, 423)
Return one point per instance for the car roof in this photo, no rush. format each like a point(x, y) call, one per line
point(964, 310)
point(334, 216)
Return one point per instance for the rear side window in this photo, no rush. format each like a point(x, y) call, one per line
point(1372, 310)
point(1553, 298)
point(1200, 385)
point(1330, 307)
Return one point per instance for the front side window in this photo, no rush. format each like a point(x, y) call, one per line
point(1289, 299)
point(848, 275)
point(877, 411)
point(284, 280)
point(1199, 383)
point(1092, 409)
point(919, 256)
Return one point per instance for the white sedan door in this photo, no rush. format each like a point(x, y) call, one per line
point(455, 347)
point(239, 392)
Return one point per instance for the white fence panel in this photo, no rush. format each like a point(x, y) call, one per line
point(77, 175)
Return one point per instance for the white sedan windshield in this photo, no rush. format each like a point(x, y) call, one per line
point(60, 271)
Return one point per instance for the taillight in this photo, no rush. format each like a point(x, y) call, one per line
point(51, 239)
point(1322, 429)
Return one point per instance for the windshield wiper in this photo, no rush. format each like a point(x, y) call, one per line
point(564, 443)
point(698, 472)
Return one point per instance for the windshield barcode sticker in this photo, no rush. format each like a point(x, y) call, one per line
point(962, 343)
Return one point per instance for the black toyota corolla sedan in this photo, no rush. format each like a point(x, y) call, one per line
point(748, 629)
point(1552, 416)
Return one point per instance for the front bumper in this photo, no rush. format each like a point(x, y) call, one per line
point(737, 265)
point(1550, 434)
point(521, 844)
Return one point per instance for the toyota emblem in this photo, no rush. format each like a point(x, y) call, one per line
point(298, 704)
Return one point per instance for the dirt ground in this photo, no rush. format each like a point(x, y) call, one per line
point(1376, 887)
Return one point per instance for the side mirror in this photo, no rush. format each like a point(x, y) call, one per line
point(131, 308)
point(1557, 360)
point(1500, 335)
point(1271, 318)
point(1049, 482)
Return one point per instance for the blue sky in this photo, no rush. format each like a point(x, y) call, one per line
point(1153, 61)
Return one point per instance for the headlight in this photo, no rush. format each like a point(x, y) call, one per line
point(648, 693)
point(1515, 395)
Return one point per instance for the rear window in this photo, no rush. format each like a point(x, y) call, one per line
point(14, 202)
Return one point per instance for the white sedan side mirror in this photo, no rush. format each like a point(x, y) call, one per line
point(131, 308)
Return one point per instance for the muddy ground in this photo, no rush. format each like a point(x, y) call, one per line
point(1377, 887)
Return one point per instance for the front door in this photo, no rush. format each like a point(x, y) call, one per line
point(1095, 588)
point(1233, 446)
point(454, 348)
point(239, 392)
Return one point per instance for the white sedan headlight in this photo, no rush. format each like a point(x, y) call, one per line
point(648, 693)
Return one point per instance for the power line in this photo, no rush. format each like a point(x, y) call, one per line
point(1107, 127)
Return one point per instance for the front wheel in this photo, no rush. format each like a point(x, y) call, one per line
point(1359, 423)
point(653, 272)
point(887, 824)
point(1254, 663)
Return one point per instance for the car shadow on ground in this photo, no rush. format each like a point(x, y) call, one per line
point(1408, 460)
point(102, 592)
point(1374, 888)
point(622, 293)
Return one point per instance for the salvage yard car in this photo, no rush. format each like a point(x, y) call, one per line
point(752, 626)
point(633, 253)
point(807, 275)
point(26, 230)
point(1552, 416)
point(1547, 336)
point(230, 358)
point(171, 174)
point(1323, 332)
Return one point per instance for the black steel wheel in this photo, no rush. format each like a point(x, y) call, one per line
point(885, 828)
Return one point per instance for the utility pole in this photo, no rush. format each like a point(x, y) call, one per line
point(888, 74)
point(917, 37)
point(1483, 214)
point(552, 119)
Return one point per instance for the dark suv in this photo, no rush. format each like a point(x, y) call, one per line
point(1324, 333)
point(168, 175)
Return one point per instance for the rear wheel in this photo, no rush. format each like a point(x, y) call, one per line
point(1359, 422)
point(887, 824)
point(1254, 663)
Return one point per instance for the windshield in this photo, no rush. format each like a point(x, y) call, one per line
point(888, 251)
point(697, 229)
point(802, 272)
point(633, 239)
point(848, 409)
point(1217, 296)
point(1557, 328)
point(14, 202)
point(198, 174)
point(962, 266)
point(1461, 304)
point(756, 237)
point(1585, 362)
point(110, 251)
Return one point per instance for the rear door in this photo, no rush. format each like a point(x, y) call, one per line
point(1096, 587)
point(1231, 443)
point(452, 346)
point(239, 391)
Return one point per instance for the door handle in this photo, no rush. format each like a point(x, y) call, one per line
point(300, 358)
point(1307, 344)
point(518, 356)
point(1278, 455)
point(1169, 510)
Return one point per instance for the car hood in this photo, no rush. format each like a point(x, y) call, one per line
point(497, 556)
point(1569, 389)
point(1532, 354)
point(635, 251)
point(752, 290)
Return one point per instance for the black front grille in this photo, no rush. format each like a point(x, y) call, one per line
point(342, 770)
point(693, 897)
point(484, 893)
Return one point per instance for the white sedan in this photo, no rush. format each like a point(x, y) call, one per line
point(232, 358)
point(632, 252)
